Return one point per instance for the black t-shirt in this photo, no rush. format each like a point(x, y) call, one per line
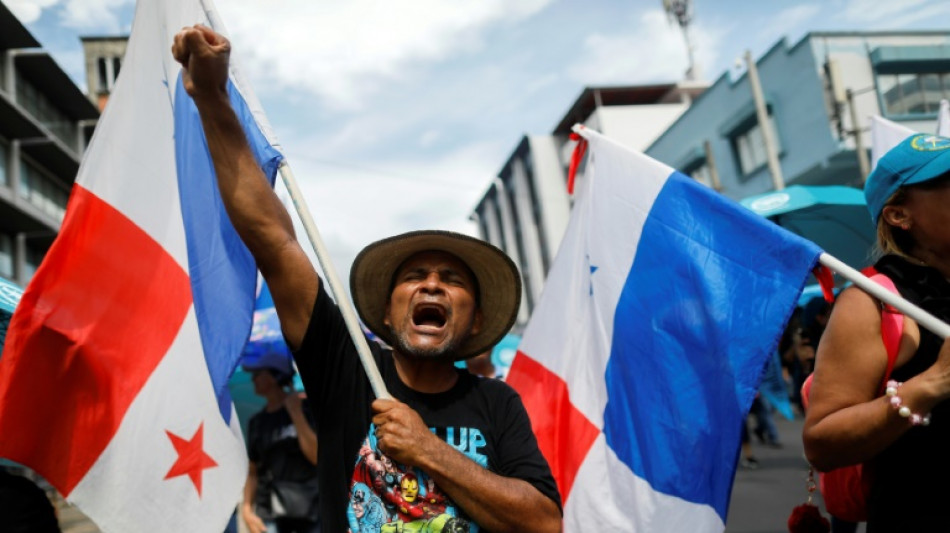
point(273, 446)
point(482, 418)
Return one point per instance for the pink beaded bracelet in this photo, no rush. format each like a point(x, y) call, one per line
point(902, 410)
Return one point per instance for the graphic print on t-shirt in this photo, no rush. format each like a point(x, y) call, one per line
point(386, 497)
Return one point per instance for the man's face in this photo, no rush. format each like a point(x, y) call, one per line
point(431, 311)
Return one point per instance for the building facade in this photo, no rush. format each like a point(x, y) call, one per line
point(45, 123)
point(820, 94)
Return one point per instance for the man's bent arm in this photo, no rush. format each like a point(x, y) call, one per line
point(254, 209)
point(494, 502)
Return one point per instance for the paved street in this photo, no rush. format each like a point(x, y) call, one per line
point(762, 499)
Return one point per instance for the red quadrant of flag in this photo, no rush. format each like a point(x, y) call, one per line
point(564, 434)
point(95, 321)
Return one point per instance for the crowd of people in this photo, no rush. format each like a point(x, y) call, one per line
point(784, 376)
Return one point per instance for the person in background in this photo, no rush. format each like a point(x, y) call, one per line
point(900, 432)
point(24, 507)
point(281, 492)
point(482, 365)
point(747, 458)
point(795, 353)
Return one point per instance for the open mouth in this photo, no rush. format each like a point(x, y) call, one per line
point(429, 315)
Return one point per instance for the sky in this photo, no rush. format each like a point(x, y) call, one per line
point(396, 115)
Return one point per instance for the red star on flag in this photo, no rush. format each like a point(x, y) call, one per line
point(191, 457)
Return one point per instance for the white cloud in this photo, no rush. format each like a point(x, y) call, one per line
point(28, 10)
point(345, 51)
point(871, 11)
point(651, 51)
point(789, 22)
point(429, 138)
point(98, 15)
point(353, 207)
point(930, 12)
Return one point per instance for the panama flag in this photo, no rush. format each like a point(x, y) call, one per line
point(644, 353)
point(113, 381)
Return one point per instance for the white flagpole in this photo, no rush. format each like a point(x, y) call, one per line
point(922, 317)
point(323, 256)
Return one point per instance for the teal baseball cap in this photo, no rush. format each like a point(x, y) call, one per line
point(916, 159)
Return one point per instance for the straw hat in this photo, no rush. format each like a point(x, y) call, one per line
point(499, 283)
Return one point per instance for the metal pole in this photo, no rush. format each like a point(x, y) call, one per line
point(711, 165)
point(863, 165)
point(764, 124)
point(922, 317)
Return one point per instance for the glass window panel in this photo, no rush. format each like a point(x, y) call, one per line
point(745, 154)
point(751, 149)
point(25, 182)
point(45, 112)
point(701, 174)
point(33, 258)
point(932, 93)
point(891, 94)
point(102, 69)
point(911, 93)
point(6, 256)
point(3, 165)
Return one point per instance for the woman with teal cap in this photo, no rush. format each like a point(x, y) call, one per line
point(898, 428)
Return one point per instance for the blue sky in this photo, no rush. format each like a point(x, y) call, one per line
point(396, 115)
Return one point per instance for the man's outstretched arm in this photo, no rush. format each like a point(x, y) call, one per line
point(257, 214)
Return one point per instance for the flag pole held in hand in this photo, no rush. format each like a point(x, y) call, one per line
point(323, 256)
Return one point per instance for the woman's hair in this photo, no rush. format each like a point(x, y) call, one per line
point(892, 240)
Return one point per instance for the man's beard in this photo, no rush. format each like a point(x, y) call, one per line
point(447, 351)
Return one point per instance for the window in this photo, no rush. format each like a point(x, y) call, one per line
point(45, 112)
point(33, 259)
point(108, 69)
point(698, 168)
point(6, 256)
point(913, 94)
point(749, 146)
point(3, 165)
point(702, 174)
point(42, 192)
